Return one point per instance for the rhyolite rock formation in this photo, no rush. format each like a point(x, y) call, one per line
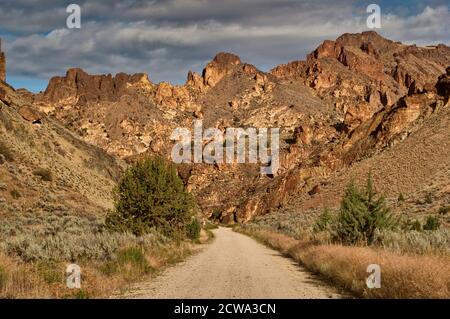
point(2, 63)
point(350, 99)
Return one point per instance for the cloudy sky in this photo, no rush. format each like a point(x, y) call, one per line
point(167, 38)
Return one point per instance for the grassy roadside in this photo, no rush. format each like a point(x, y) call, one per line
point(99, 278)
point(154, 224)
point(402, 275)
point(35, 251)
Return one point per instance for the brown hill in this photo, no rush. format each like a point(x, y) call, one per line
point(45, 168)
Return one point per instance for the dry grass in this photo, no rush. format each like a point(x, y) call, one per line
point(35, 250)
point(19, 279)
point(403, 240)
point(403, 276)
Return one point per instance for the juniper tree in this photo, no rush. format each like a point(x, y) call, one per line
point(361, 213)
point(324, 221)
point(151, 195)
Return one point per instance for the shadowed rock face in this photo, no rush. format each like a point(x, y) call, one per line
point(443, 84)
point(2, 63)
point(351, 98)
point(2, 66)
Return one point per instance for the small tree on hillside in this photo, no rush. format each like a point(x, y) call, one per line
point(361, 213)
point(324, 221)
point(151, 195)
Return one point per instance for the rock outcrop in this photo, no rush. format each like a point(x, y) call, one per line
point(29, 114)
point(2, 64)
point(221, 65)
point(361, 73)
point(351, 98)
point(443, 84)
point(91, 88)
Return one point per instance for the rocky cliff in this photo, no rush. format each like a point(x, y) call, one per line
point(351, 99)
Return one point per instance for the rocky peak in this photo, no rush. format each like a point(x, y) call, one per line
point(226, 58)
point(222, 64)
point(359, 52)
point(369, 42)
point(195, 81)
point(361, 39)
point(362, 72)
point(79, 84)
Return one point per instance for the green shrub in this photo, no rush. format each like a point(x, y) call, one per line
point(109, 268)
point(415, 225)
point(81, 294)
point(149, 196)
point(361, 214)
point(50, 272)
point(401, 198)
point(193, 229)
point(6, 152)
point(216, 214)
point(44, 174)
point(432, 223)
point(429, 198)
point(443, 210)
point(15, 194)
point(210, 234)
point(323, 222)
point(132, 255)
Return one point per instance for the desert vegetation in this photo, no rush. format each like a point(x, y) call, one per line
point(152, 225)
point(339, 245)
point(44, 174)
point(5, 152)
point(152, 196)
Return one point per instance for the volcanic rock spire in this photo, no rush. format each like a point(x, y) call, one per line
point(2, 63)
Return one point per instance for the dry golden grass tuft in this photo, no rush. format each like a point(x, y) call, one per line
point(19, 280)
point(402, 276)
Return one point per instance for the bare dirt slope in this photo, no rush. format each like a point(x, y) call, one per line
point(235, 266)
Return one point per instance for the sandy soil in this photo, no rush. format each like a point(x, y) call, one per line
point(234, 266)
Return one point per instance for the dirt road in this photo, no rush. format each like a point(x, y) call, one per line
point(234, 266)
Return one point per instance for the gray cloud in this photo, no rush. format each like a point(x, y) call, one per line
point(167, 38)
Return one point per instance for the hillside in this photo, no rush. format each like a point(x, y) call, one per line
point(55, 191)
point(45, 168)
point(405, 148)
